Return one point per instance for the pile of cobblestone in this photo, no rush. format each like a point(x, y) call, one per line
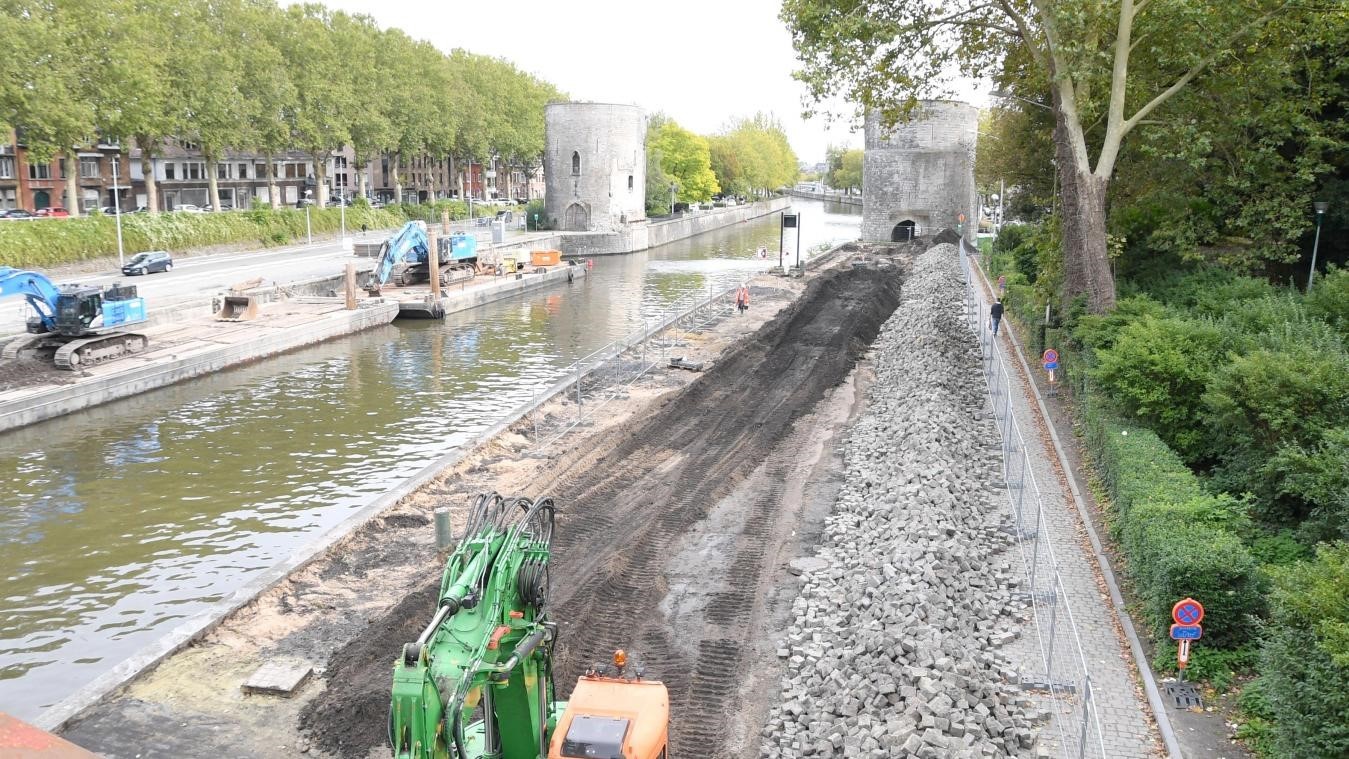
point(894, 646)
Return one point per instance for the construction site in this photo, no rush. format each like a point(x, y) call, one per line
point(801, 542)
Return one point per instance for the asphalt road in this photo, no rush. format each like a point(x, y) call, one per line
point(196, 276)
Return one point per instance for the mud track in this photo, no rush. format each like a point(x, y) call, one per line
point(624, 511)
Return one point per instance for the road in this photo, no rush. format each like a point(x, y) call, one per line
point(196, 276)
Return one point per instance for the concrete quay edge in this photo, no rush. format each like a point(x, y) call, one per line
point(64, 399)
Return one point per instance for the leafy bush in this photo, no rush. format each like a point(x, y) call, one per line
point(1319, 478)
point(1329, 299)
point(1270, 402)
point(1157, 370)
point(535, 217)
point(1096, 333)
point(1305, 656)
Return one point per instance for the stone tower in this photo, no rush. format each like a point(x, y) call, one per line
point(594, 166)
point(919, 177)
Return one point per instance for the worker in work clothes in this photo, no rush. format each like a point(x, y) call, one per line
point(995, 311)
point(742, 299)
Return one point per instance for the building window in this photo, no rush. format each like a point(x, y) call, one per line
point(168, 171)
point(39, 171)
point(222, 171)
point(260, 170)
point(193, 170)
point(293, 171)
point(8, 199)
point(575, 163)
point(243, 171)
point(629, 183)
point(340, 179)
point(339, 162)
point(6, 167)
point(89, 168)
point(186, 145)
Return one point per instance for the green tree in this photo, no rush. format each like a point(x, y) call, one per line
point(322, 77)
point(686, 158)
point(849, 175)
point(884, 56)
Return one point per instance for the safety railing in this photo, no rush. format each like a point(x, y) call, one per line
point(591, 383)
point(1064, 678)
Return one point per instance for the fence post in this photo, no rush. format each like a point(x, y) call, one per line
point(1087, 698)
point(1053, 625)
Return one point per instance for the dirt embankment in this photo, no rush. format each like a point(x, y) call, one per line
point(626, 506)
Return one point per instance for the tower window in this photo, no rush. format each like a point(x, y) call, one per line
point(629, 183)
point(575, 163)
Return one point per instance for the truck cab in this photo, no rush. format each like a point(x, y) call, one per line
point(613, 718)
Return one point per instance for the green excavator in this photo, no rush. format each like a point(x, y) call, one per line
point(478, 682)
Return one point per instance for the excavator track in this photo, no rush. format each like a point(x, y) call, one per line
point(88, 351)
point(21, 345)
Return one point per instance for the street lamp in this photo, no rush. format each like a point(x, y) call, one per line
point(309, 228)
point(672, 194)
point(1320, 207)
point(117, 206)
point(1010, 96)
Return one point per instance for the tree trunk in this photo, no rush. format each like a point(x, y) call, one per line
point(321, 179)
point(72, 162)
point(361, 187)
point(212, 183)
point(1086, 255)
point(273, 192)
point(504, 184)
point(397, 178)
point(148, 170)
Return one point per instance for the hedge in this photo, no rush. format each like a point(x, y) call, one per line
point(1305, 657)
point(50, 242)
point(1178, 540)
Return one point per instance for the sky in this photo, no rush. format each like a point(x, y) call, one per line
point(704, 63)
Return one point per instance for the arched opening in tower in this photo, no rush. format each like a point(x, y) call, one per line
point(904, 231)
point(576, 218)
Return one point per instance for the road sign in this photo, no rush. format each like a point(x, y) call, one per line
point(1050, 359)
point(1183, 656)
point(1187, 612)
point(1187, 632)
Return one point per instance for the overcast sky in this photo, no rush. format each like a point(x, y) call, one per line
point(702, 62)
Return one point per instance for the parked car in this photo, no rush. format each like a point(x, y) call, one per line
point(148, 262)
point(54, 212)
point(223, 206)
point(109, 210)
point(507, 216)
point(16, 213)
point(188, 208)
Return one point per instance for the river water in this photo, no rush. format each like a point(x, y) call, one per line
point(118, 522)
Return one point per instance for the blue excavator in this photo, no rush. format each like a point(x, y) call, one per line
point(75, 325)
point(404, 258)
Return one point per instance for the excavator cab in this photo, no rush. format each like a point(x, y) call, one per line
point(613, 717)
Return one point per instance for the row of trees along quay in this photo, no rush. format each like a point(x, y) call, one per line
point(247, 74)
point(749, 157)
point(1175, 160)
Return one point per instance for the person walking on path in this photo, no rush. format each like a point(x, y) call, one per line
point(742, 299)
point(995, 311)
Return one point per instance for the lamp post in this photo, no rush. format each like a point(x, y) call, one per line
point(672, 194)
point(1320, 207)
point(117, 206)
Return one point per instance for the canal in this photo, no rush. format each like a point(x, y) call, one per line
point(118, 522)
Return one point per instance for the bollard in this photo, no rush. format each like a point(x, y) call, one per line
point(433, 263)
point(444, 537)
point(351, 286)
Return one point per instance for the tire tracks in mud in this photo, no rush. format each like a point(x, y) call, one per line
point(625, 510)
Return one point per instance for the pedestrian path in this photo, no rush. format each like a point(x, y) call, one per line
point(1071, 657)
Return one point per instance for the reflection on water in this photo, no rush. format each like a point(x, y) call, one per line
point(118, 521)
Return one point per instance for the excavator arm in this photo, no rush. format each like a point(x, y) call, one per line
point(40, 292)
point(488, 645)
point(409, 243)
